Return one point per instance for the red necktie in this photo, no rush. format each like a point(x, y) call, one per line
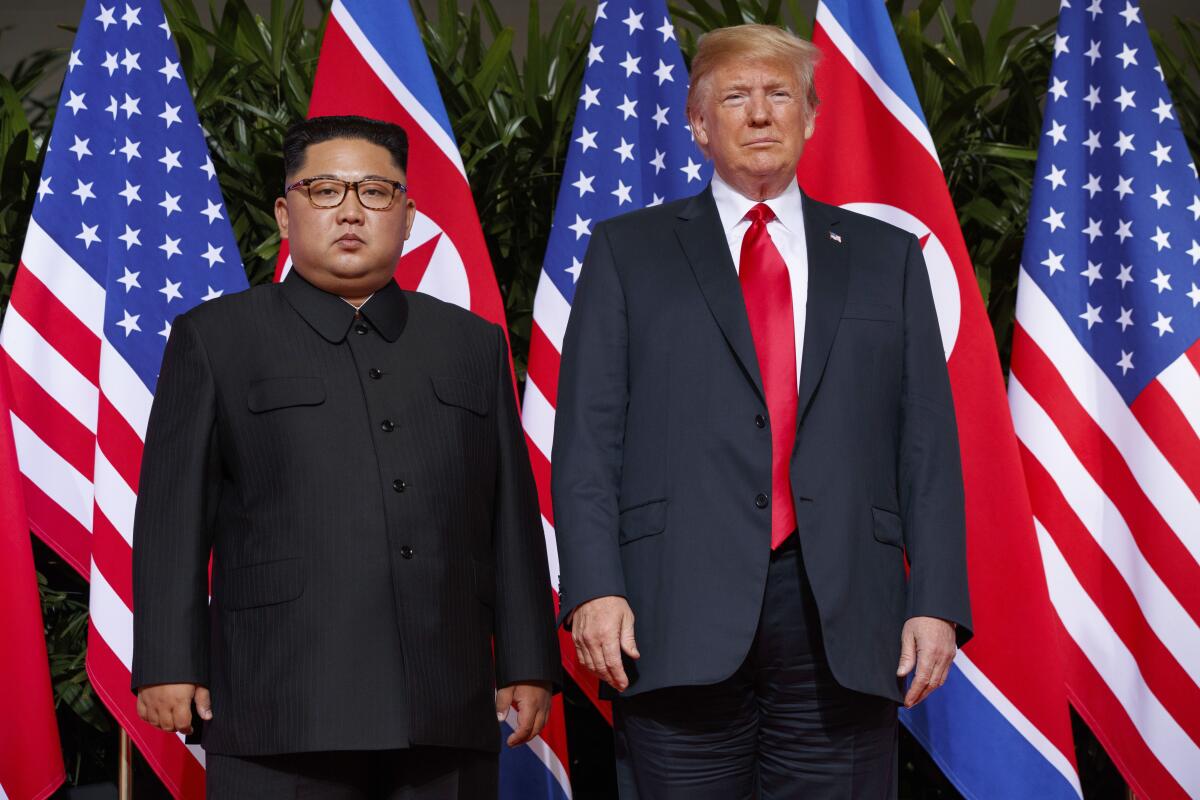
point(768, 294)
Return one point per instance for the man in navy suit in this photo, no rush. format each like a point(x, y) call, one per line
point(755, 432)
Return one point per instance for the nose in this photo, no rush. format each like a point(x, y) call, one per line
point(758, 110)
point(351, 210)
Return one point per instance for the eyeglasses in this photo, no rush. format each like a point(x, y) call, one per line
point(377, 194)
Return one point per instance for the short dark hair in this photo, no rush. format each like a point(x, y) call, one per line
point(302, 135)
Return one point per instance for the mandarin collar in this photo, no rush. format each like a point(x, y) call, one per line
point(331, 316)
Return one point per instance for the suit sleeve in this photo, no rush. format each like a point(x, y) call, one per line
point(172, 529)
point(526, 643)
point(931, 487)
point(589, 432)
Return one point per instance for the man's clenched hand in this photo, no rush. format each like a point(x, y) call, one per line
point(169, 705)
point(532, 699)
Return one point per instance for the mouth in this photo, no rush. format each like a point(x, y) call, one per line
point(349, 242)
point(760, 143)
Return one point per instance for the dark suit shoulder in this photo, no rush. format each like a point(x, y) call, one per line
point(635, 223)
point(229, 308)
point(440, 314)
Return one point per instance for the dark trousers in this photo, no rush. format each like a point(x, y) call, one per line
point(780, 727)
point(419, 773)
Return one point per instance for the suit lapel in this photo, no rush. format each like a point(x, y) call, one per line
point(703, 239)
point(828, 276)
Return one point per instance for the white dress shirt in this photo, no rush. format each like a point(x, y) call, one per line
point(787, 232)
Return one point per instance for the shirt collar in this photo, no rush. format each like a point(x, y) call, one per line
point(732, 206)
point(330, 316)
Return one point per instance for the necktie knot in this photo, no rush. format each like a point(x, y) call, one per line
point(760, 213)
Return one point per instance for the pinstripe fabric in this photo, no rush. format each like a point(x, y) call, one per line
point(364, 488)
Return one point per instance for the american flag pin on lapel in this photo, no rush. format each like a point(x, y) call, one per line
point(836, 237)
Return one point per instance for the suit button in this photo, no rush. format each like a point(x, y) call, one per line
point(387, 426)
point(761, 501)
point(406, 552)
point(361, 330)
point(760, 420)
point(375, 374)
point(399, 485)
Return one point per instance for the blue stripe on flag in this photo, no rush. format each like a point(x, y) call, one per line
point(392, 31)
point(522, 774)
point(1006, 768)
point(871, 30)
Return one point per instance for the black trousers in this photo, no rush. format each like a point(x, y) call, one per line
point(780, 727)
point(418, 773)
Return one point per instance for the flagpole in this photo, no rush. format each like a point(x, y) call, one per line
point(125, 768)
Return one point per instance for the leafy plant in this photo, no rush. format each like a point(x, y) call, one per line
point(251, 77)
point(699, 16)
point(513, 124)
point(1182, 73)
point(982, 92)
point(25, 118)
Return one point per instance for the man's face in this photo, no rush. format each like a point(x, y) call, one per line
point(348, 250)
point(752, 121)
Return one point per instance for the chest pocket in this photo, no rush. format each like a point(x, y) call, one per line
point(462, 394)
point(270, 394)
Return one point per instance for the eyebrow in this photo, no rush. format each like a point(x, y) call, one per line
point(372, 177)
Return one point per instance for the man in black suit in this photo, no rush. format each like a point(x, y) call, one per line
point(754, 429)
point(350, 455)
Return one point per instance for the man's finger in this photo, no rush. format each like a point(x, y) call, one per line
point(920, 682)
point(908, 654)
point(504, 699)
point(181, 717)
point(525, 718)
point(204, 703)
point(581, 653)
point(539, 722)
point(599, 664)
point(628, 643)
point(612, 660)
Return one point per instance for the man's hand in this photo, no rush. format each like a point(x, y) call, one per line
point(532, 699)
point(169, 705)
point(602, 629)
point(926, 643)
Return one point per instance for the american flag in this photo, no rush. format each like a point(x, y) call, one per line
point(631, 147)
point(1105, 392)
point(128, 230)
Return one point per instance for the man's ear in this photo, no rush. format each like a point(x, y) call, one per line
point(699, 131)
point(281, 216)
point(410, 212)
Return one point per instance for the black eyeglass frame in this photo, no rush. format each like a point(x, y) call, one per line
point(306, 183)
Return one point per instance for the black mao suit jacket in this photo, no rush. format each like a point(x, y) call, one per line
point(363, 487)
point(662, 475)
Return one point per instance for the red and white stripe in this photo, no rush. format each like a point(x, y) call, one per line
point(1115, 490)
point(79, 415)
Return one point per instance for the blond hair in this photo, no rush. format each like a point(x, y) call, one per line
point(754, 43)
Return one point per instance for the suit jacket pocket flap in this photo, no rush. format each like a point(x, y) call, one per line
point(644, 520)
point(888, 528)
point(876, 311)
point(265, 584)
point(272, 393)
point(464, 394)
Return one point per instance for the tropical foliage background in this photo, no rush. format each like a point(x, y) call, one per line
point(982, 87)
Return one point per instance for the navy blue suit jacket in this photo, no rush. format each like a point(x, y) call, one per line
point(658, 460)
